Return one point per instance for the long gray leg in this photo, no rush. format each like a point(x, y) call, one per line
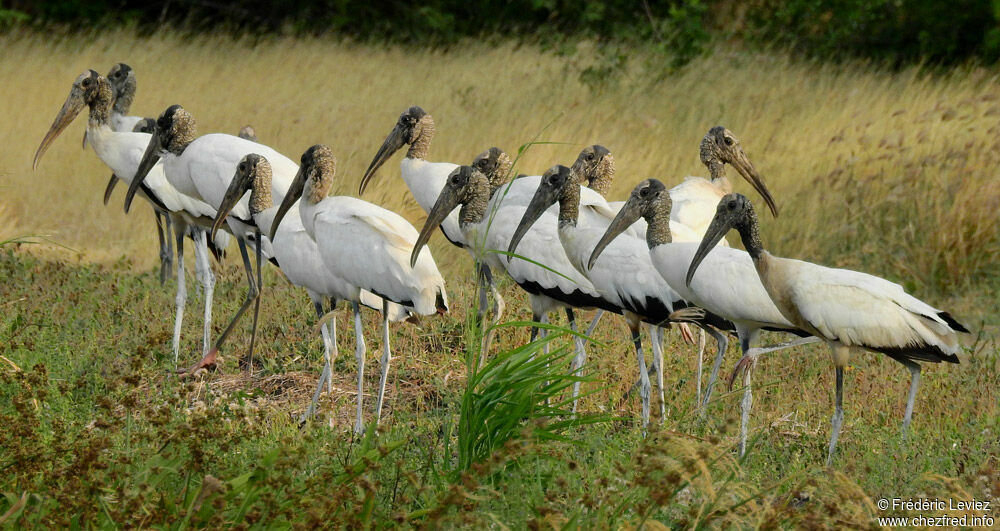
point(331, 326)
point(164, 261)
point(838, 415)
point(181, 297)
point(256, 303)
point(207, 279)
point(701, 356)
point(359, 353)
point(579, 359)
point(656, 335)
point(386, 357)
point(252, 294)
point(914, 382)
point(325, 374)
point(643, 375)
point(723, 344)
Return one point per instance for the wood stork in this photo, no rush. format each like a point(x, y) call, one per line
point(299, 259)
point(694, 200)
point(629, 281)
point(366, 245)
point(728, 286)
point(247, 133)
point(122, 152)
point(203, 167)
point(489, 234)
point(849, 310)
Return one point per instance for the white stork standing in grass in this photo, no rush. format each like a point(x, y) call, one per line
point(366, 245)
point(300, 260)
point(629, 280)
point(203, 167)
point(122, 152)
point(489, 233)
point(728, 286)
point(849, 310)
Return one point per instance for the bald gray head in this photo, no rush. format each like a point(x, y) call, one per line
point(595, 167)
point(122, 79)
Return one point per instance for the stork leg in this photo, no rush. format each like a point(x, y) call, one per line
point(386, 357)
point(332, 327)
point(209, 359)
point(914, 382)
point(723, 343)
point(181, 297)
point(207, 278)
point(486, 281)
point(256, 302)
point(325, 374)
point(579, 359)
point(747, 403)
point(701, 356)
point(838, 415)
point(656, 335)
point(164, 261)
point(359, 353)
point(168, 230)
point(643, 374)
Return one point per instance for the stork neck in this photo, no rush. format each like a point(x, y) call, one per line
point(260, 195)
point(749, 231)
point(421, 146)
point(474, 207)
point(658, 229)
point(717, 171)
point(604, 176)
point(569, 204)
point(100, 105)
point(318, 187)
point(123, 101)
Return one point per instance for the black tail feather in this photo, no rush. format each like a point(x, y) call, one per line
point(955, 325)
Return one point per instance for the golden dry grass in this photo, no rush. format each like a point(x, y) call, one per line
point(893, 173)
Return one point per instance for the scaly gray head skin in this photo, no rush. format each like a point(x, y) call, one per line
point(318, 167)
point(90, 89)
point(466, 186)
point(719, 147)
point(596, 165)
point(174, 131)
point(495, 164)
point(414, 127)
point(248, 133)
point(252, 173)
point(549, 190)
point(649, 199)
point(734, 212)
point(146, 125)
point(122, 79)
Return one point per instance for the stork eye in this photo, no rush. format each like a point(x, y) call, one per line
point(86, 82)
point(732, 205)
point(644, 192)
point(728, 140)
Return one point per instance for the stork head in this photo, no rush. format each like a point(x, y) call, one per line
point(647, 198)
point(122, 79)
point(248, 133)
point(719, 147)
point(253, 173)
point(174, 131)
point(146, 125)
point(596, 165)
point(314, 179)
point(90, 88)
point(495, 164)
point(734, 212)
point(465, 185)
point(549, 190)
point(414, 127)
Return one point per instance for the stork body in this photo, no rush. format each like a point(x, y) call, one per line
point(346, 229)
point(848, 310)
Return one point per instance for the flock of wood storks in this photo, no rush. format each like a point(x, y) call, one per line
point(658, 258)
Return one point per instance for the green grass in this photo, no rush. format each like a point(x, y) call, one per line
point(98, 432)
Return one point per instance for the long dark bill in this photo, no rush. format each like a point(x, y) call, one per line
point(631, 211)
point(745, 167)
point(293, 195)
point(446, 202)
point(70, 109)
point(392, 143)
point(149, 159)
point(721, 224)
point(237, 188)
point(544, 197)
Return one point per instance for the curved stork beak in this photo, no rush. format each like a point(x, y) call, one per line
point(630, 212)
point(293, 195)
point(149, 159)
point(238, 187)
point(446, 202)
point(71, 108)
point(545, 196)
point(110, 188)
point(392, 143)
point(721, 224)
point(743, 165)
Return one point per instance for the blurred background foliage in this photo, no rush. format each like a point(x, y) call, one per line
point(889, 32)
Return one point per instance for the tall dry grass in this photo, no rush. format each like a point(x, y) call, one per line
point(893, 173)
